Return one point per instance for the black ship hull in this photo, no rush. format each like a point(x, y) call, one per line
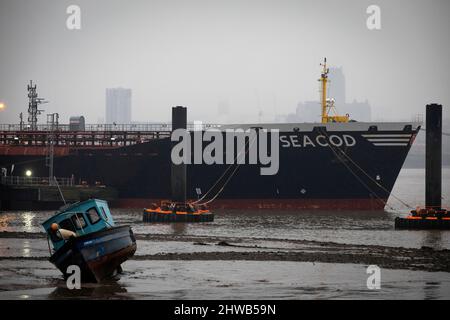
point(337, 166)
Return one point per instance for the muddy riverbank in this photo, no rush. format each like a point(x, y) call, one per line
point(161, 247)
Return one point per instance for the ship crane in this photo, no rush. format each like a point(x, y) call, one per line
point(328, 107)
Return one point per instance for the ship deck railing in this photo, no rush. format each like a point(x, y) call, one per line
point(130, 127)
point(34, 181)
point(95, 135)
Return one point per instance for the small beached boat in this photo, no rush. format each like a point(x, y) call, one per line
point(84, 234)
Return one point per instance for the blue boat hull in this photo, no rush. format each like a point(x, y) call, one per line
point(99, 254)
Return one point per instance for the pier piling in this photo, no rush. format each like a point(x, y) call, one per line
point(178, 174)
point(179, 210)
point(433, 184)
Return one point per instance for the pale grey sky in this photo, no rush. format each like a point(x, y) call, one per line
point(252, 53)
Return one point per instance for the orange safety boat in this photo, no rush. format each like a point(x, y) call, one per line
point(177, 212)
point(425, 218)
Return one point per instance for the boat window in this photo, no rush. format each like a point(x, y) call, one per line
point(77, 219)
point(93, 215)
point(67, 224)
point(104, 214)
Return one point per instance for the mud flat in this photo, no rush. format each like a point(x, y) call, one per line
point(188, 247)
point(232, 279)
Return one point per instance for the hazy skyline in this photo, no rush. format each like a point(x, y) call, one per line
point(259, 56)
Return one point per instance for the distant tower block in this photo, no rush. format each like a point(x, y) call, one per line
point(337, 87)
point(118, 106)
point(223, 108)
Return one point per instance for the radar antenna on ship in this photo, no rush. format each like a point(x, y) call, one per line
point(33, 102)
point(327, 104)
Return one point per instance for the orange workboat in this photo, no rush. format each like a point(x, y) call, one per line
point(425, 218)
point(177, 212)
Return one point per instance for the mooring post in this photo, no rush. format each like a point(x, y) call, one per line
point(179, 209)
point(433, 184)
point(178, 179)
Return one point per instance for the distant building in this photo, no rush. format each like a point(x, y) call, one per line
point(358, 110)
point(223, 107)
point(77, 123)
point(310, 111)
point(223, 111)
point(337, 86)
point(118, 105)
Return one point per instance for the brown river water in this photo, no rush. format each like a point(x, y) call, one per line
point(279, 255)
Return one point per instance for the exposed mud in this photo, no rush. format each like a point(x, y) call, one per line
point(268, 249)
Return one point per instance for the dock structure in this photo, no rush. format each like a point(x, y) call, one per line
point(433, 216)
point(178, 210)
point(36, 194)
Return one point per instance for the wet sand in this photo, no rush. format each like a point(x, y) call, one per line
point(224, 280)
point(198, 267)
point(169, 247)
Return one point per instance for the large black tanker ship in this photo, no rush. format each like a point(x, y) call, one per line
point(334, 164)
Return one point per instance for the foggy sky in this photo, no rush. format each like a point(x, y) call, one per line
point(257, 55)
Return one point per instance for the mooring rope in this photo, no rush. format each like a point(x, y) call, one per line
point(373, 180)
point(358, 177)
point(220, 178)
point(377, 183)
point(229, 178)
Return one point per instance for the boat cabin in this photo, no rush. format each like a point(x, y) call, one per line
point(78, 219)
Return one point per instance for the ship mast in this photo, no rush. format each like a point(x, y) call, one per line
point(328, 104)
point(324, 79)
point(33, 102)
